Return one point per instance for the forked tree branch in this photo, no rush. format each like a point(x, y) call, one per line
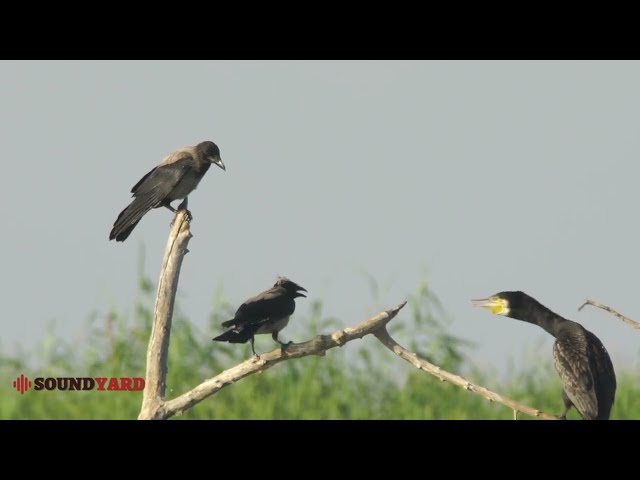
point(154, 405)
point(626, 320)
point(316, 346)
point(443, 375)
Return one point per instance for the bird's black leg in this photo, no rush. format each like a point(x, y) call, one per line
point(283, 346)
point(183, 206)
point(167, 205)
point(253, 349)
point(567, 405)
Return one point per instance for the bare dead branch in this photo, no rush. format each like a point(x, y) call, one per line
point(157, 352)
point(154, 405)
point(626, 320)
point(316, 346)
point(383, 335)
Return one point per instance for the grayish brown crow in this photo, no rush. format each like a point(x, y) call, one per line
point(176, 177)
point(267, 312)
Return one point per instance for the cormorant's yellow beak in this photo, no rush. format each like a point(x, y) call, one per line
point(496, 305)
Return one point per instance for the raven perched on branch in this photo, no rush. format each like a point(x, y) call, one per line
point(267, 312)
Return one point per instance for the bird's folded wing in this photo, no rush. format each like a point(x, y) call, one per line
point(162, 179)
point(573, 366)
point(273, 303)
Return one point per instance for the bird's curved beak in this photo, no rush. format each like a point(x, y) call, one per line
point(218, 162)
point(494, 305)
point(299, 289)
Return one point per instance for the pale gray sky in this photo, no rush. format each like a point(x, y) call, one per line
point(487, 175)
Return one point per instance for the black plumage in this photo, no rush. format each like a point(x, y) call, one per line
point(267, 312)
point(581, 360)
point(174, 178)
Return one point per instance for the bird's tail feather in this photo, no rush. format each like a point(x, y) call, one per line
point(130, 216)
point(228, 323)
point(234, 336)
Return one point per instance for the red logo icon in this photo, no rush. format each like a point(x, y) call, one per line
point(22, 384)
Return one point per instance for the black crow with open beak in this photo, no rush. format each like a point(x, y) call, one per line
point(267, 312)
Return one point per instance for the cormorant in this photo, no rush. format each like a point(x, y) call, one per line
point(580, 358)
point(267, 312)
point(176, 177)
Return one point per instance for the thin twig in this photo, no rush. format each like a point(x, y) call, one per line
point(626, 320)
point(443, 375)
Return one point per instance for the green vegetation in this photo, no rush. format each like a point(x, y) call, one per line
point(361, 381)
